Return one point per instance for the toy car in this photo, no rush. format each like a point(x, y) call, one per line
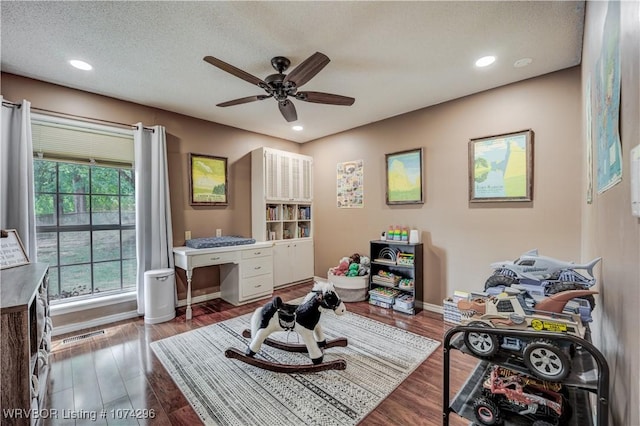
point(544, 358)
point(505, 390)
point(542, 275)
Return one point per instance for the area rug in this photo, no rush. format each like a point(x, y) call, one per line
point(224, 391)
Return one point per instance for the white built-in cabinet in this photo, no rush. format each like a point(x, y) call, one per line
point(282, 211)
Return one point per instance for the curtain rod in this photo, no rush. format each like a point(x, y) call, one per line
point(66, 115)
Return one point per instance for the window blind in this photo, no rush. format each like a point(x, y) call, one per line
point(63, 138)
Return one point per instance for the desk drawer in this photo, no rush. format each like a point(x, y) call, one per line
point(257, 266)
point(213, 259)
point(256, 286)
point(261, 252)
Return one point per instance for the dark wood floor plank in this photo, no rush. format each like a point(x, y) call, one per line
point(122, 359)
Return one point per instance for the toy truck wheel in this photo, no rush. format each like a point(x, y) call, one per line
point(546, 360)
point(487, 412)
point(481, 344)
point(498, 280)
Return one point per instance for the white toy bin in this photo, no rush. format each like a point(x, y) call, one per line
point(350, 289)
point(159, 295)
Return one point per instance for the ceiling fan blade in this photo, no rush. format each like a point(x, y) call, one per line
point(243, 100)
point(288, 110)
point(325, 98)
point(307, 69)
point(235, 71)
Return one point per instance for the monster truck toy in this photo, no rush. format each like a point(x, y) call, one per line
point(546, 359)
point(542, 275)
point(507, 391)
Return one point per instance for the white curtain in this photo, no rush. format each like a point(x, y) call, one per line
point(17, 209)
point(153, 209)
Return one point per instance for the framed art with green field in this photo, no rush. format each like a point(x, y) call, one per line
point(404, 177)
point(501, 167)
point(208, 184)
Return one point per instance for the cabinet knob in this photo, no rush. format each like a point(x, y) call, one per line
point(257, 267)
point(258, 286)
point(215, 258)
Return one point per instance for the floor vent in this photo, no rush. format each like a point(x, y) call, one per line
point(82, 336)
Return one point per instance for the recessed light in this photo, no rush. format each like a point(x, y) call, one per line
point(485, 61)
point(297, 128)
point(522, 62)
point(81, 65)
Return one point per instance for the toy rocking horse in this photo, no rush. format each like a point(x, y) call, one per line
point(303, 319)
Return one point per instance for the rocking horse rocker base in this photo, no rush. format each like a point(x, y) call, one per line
point(304, 319)
point(338, 364)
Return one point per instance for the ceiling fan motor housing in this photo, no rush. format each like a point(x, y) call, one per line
point(278, 89)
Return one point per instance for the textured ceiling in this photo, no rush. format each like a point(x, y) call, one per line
point(392, 57)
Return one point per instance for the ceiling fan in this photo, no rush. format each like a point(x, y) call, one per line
point(282, 86)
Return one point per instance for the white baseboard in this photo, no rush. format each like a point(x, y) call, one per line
point(97, 322)
point(433, 308)
point(200, 299)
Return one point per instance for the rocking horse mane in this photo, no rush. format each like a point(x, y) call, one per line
point(321, 287)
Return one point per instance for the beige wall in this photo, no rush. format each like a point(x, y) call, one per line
point(608, 228)
point(461, 239)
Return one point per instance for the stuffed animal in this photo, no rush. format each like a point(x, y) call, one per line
point(353, 270)
point(342, 268)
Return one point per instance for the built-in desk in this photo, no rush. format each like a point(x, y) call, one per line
point(246, 271)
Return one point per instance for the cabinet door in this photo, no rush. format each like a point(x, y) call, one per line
point(302, 255)
point(292, 261)
point(305, 179)
point(281, 264)
point(271, 173)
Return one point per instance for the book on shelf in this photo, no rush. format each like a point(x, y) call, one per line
point(304, 213)
point(272, 213)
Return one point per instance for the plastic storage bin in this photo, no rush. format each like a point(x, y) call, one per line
point(159, 295)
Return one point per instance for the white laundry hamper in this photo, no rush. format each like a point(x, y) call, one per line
point(159, 295)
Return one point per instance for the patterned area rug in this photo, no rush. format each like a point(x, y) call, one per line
point(229, 392)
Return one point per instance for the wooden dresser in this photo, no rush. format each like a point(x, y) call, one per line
point(25, 344)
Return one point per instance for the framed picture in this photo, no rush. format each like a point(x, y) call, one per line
point(404, 177)
point(12, 251)
point(501, 167)
point(208, 184)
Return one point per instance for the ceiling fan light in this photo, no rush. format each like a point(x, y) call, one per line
point(81, 65)
point(485, 61)
point(297, 128)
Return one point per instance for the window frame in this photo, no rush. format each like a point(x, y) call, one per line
point(59, 229)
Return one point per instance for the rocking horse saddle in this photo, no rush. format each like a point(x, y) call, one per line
point(286, 313)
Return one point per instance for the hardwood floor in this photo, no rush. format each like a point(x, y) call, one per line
point(118, 370)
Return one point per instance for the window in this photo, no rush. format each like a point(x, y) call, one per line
point(85, 211)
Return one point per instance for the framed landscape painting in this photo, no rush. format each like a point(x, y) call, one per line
point(501, 167)
point(404, 177)
point(208, 184)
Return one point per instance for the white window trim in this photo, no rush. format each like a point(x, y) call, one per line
point(77, 123)
point(86, 304)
